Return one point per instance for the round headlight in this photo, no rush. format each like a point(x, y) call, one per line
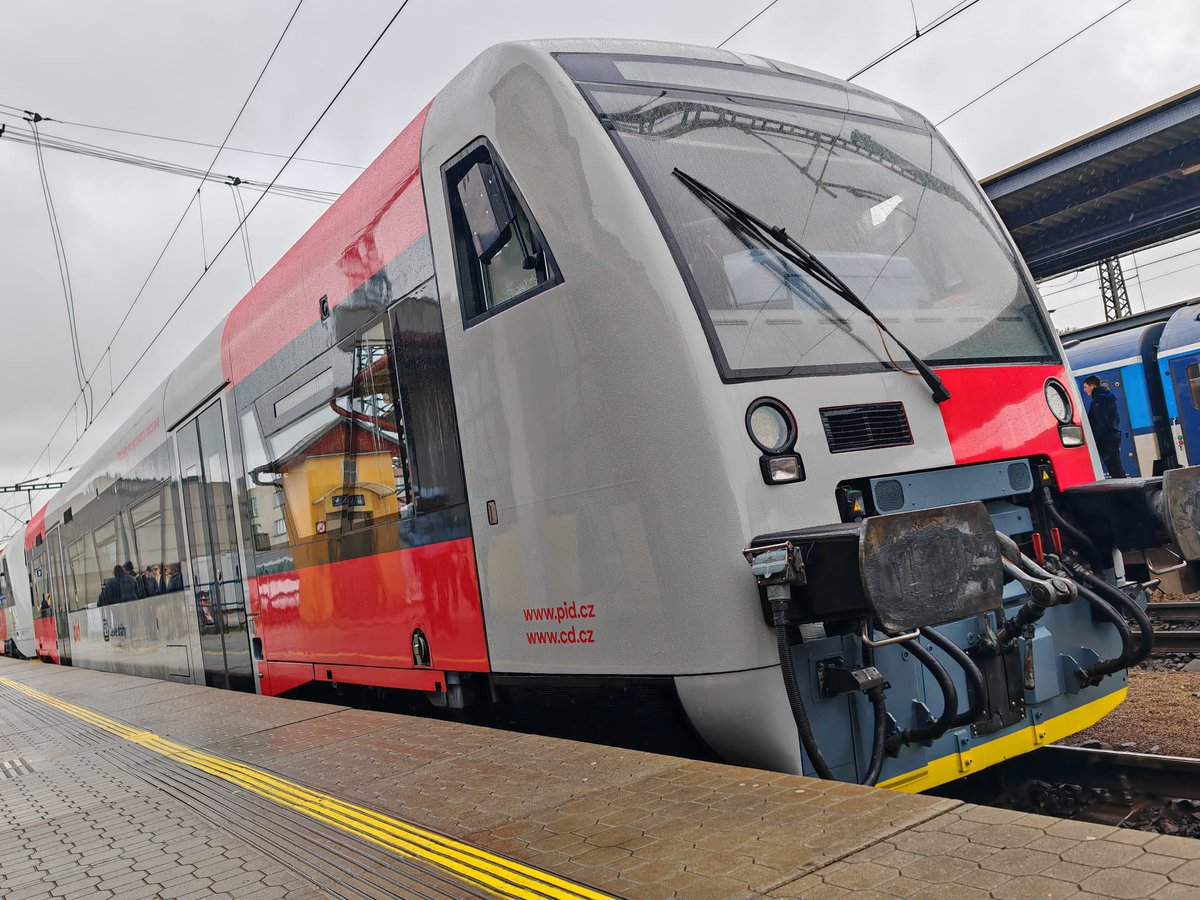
point(1058, 401)
point(770, 426)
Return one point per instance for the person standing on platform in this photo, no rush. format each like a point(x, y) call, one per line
point(1106, 425)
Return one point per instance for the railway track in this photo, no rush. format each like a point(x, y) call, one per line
point(1170, 641)
point(1138, 790)
point(1187, 611)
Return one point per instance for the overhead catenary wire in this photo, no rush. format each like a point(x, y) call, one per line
point(746, 24)
point(178, 140)
point(47, 142)
point(64, 272)
point(229, 240)
point(192, 199)
point(919, 33)
point(1033, 63)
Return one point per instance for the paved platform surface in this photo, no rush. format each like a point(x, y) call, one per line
point(114, 786)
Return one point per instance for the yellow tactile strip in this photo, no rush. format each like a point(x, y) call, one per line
point(472, 864)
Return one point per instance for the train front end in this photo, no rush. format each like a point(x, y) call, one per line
point(808, 451)
point(934, 557)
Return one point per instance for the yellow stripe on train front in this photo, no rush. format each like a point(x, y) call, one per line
point(465, 861)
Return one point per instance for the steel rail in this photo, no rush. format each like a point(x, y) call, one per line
point(1166, 642)
point(1185, 611)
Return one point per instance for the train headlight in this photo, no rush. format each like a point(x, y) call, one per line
point(1071, 435)
point(1058, 401)
point(771, 426)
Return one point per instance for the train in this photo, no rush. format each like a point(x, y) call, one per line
point(17, 634)
point(635, 373)
point(1151, 362)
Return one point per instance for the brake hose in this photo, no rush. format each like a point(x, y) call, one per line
point(974, 677)
point(1124, 602)
point(1094, 674)
point(942, 723)
point(1060, 520)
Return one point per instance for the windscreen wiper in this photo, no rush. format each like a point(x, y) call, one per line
point(777, 239)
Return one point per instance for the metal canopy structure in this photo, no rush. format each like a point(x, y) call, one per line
point(1125, 186)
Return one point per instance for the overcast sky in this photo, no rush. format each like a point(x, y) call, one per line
point(183, 70)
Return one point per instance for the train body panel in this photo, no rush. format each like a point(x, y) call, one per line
point(495, 416)
point(16, 608)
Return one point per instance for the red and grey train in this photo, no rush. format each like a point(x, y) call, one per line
point(634, 364)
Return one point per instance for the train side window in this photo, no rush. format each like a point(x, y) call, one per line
point(1193, 380)
point(375, 482)
point(423, 373)
point(501, 255)
point(156, 537)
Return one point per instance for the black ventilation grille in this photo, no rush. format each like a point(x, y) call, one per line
point(865, 427)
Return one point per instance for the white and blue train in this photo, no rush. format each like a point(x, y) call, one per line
point(1151, 362)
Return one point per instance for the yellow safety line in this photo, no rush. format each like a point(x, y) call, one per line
point(504, 876)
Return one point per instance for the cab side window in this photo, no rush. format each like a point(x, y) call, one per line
point(1193, 380)
point(500, 254)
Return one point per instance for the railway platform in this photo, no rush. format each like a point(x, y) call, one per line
point(115, 786)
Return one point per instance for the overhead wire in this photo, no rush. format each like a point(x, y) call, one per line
point(1029, 65)
point(919, 33)
point(108, 350)
point(64, 272)
point(20, 136)
point(747, 24)
point(177, 140)
point(183, 300)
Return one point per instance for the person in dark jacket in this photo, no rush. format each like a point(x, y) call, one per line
point(1106, 425)
point(126, 585)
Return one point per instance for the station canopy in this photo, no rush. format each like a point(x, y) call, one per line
point(1128, 185)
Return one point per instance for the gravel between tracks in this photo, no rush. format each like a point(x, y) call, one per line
point(1161, 715)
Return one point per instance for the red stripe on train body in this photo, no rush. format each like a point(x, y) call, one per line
point(999, 412)
point(363, 612)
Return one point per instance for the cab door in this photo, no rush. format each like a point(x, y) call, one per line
point(215, 559)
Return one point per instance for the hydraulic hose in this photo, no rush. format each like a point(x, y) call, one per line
point(1084, 541)
point(974, 677)
point(879, 724)
point(942, 723)
point(1119, 599)
point(1094, 674)
point(807, 740)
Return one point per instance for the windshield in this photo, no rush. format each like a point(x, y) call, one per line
point(882, 202)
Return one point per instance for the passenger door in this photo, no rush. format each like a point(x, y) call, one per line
point(209, 510)
point(1185, 380)
point(1112, 378)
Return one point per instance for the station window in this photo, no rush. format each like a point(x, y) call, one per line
point(500, 253)
point(1193, 380)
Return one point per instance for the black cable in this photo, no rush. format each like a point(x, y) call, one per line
point(795, 701)
point(1057, 46)
point(939, 726)
point(1095, 674)
point(974, 676)
point(1120, 600)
